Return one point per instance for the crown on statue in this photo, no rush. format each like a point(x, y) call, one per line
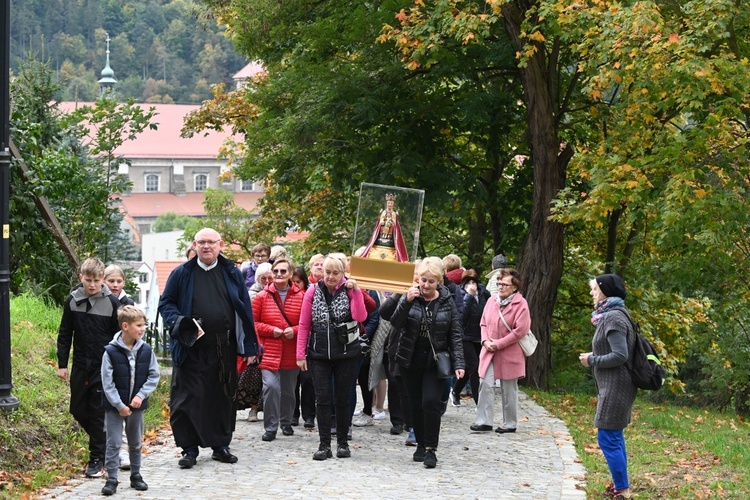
point(390, 197)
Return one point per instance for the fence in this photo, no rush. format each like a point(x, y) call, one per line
point(158, 338)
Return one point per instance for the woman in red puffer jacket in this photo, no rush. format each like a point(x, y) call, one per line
point(276, 311)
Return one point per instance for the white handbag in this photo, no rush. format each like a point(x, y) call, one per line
point(528, 342)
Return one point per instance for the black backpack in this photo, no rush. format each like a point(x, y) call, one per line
point(645, 368)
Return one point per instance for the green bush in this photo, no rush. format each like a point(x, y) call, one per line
point(40, 442)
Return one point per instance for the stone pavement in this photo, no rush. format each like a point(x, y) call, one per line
point(537, 462)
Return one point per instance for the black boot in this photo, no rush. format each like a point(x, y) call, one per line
point(342, 450)
point(137, 482)
point(110, 487)
point(323, 453)
point(430, 460)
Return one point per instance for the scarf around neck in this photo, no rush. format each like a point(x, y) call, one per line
point(504, 302)
point(604, 306)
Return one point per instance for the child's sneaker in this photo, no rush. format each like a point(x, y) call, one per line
point(110, 487)
point(124, 460)
point(137, 482)
point(95, 469)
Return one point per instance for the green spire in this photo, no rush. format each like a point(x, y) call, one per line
point(107, 81)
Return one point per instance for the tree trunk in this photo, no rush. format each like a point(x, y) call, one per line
point(477, 224)
point(741, 401)
point(612, 220)
point(541, 261)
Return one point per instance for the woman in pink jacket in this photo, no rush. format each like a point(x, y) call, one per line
point(328, 345)
point(504, 322)
point(276, 311)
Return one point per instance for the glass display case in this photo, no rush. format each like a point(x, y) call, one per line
point(386, 236)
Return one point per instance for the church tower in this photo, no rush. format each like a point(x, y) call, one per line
point(107, 81)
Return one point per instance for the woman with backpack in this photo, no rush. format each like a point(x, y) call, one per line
point(611, 346)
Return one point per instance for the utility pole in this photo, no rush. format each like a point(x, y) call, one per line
point(8, 402)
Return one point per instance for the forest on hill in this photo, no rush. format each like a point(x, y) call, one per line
point(162, 51)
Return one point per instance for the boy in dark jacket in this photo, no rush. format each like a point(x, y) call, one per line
point(130, 374)
point(89, 322)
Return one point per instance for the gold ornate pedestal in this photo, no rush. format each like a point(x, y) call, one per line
point(383, 275)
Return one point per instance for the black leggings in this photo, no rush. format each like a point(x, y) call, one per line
point(305, 396)
point(343, 373)
point(425, 392)
point(363, 378)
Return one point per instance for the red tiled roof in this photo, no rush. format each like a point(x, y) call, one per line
point(156, 204)
point(165, 141)
point(163, 268)
point(249, 71)
point(292, 236)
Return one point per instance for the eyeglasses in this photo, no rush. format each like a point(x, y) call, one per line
point(502, 285)
point(260, 256)
point(280, 271)
point(210, 243)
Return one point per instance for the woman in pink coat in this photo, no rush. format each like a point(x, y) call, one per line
point(504, 322)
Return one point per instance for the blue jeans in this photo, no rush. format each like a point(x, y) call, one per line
point(612, 444)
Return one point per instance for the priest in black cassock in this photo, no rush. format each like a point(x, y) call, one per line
point(207, 295)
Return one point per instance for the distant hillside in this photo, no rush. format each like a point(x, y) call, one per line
point(160, 50)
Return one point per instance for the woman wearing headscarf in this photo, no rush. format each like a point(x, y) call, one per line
point(613, 341)
point(330, 311)
point(504, 322)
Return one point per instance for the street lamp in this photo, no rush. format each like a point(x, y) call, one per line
point(8, 402)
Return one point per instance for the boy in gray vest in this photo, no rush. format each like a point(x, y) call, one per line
point(130, 374)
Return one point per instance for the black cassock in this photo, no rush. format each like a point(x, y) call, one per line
point(202, 407)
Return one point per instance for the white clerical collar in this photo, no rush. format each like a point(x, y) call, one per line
point(205, 267)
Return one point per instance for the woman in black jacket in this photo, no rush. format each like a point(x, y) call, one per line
point(475, 298)
point(429, 319)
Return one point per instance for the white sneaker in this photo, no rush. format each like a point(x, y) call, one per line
point(362, 421)
point(124, 460)
point(380, 415)
point(252, 415)
point(357, 413)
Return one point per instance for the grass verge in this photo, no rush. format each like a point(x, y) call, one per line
point(673, 451)
point(40, 443)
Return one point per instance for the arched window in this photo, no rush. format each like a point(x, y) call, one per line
point(152, 183)
point(201, 182)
